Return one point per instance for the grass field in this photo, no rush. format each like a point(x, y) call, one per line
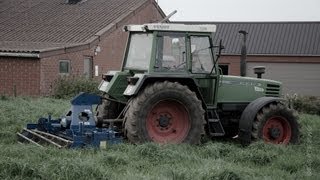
point(212, 160)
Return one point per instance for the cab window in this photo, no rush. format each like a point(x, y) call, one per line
point(139, 53)
point(201, 55)
point(171, 52)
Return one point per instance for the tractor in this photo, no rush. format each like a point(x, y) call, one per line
point(170, 89)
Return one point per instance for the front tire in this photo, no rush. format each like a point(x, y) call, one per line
point(165, 112)
point(106, 110)
point(277, 124)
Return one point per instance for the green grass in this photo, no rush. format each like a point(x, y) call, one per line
point(212, 160)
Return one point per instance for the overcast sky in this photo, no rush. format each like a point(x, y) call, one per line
point(242, 10)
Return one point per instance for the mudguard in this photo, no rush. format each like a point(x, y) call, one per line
point(144, 78)
point(134, 89)
point(248, 116)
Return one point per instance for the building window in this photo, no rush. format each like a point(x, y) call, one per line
point(224, 69)
point(64, 66)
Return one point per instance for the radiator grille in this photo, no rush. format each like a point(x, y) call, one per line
point(273, 90)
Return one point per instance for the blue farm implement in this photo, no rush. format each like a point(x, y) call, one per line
point(76, 129)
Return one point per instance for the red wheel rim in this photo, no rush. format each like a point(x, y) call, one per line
point(277, 130)
point(168, 122)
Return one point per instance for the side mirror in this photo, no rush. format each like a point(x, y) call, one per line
point(221, 47)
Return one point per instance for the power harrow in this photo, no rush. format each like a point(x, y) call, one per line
point(74, 130)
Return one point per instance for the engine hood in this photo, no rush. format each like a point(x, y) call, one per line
point(246, 89)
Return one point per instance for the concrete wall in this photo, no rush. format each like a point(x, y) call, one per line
point(299, 75)
point(234, 61)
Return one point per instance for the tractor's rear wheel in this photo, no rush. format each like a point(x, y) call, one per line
point(165, 112)
point(276, 124)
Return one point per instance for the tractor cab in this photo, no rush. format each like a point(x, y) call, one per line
point(170, 48)
point(177, 51)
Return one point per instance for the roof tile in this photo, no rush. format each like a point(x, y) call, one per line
point(276, 38)
point(33, 24)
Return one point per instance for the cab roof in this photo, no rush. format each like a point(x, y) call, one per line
point(171, 27)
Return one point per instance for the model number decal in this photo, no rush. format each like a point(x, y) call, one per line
point(243, 83)
point(258, 89)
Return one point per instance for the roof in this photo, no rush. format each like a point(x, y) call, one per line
point(171, 27)
point(43, 25)
point(269, 38)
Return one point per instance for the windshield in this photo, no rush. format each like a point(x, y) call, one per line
point(139, 52)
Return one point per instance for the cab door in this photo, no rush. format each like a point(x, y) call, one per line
point(202, 67)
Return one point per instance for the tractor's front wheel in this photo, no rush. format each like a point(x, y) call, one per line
point(106, 110)
point(276, 124)
point(165, 112)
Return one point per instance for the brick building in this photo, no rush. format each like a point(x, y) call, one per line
point(290, 51)
point(41, 40)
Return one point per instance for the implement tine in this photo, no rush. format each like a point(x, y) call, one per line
point(43, 138)
point(53, 136)
point(29, 140)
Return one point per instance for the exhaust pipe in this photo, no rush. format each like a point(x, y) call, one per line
point(169, 16)
point(243, 56)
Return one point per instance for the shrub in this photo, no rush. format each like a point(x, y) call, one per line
point(305, 104)
point(67, 87)
point(4, 97)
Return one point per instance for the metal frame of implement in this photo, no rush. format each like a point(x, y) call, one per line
point(75, 130)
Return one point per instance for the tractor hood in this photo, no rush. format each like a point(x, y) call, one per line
point(114, 83)
point(246, 89)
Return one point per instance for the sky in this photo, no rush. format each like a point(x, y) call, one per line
point(242, 10)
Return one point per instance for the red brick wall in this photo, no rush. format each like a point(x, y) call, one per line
point(21, 74)
point(112, 48)
point(233, 62)
point(110, 57)
point(50, 68)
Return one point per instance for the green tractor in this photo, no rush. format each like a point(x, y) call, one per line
point(170, 90)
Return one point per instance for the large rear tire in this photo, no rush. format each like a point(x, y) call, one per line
point(165, 112)
point(277, 124)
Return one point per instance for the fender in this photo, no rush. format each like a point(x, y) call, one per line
point(248, 116)
point(144, 79)
point(133, 89)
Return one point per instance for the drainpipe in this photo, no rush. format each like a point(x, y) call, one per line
point(243, 56)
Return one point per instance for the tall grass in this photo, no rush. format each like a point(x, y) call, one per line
point(213, 160)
